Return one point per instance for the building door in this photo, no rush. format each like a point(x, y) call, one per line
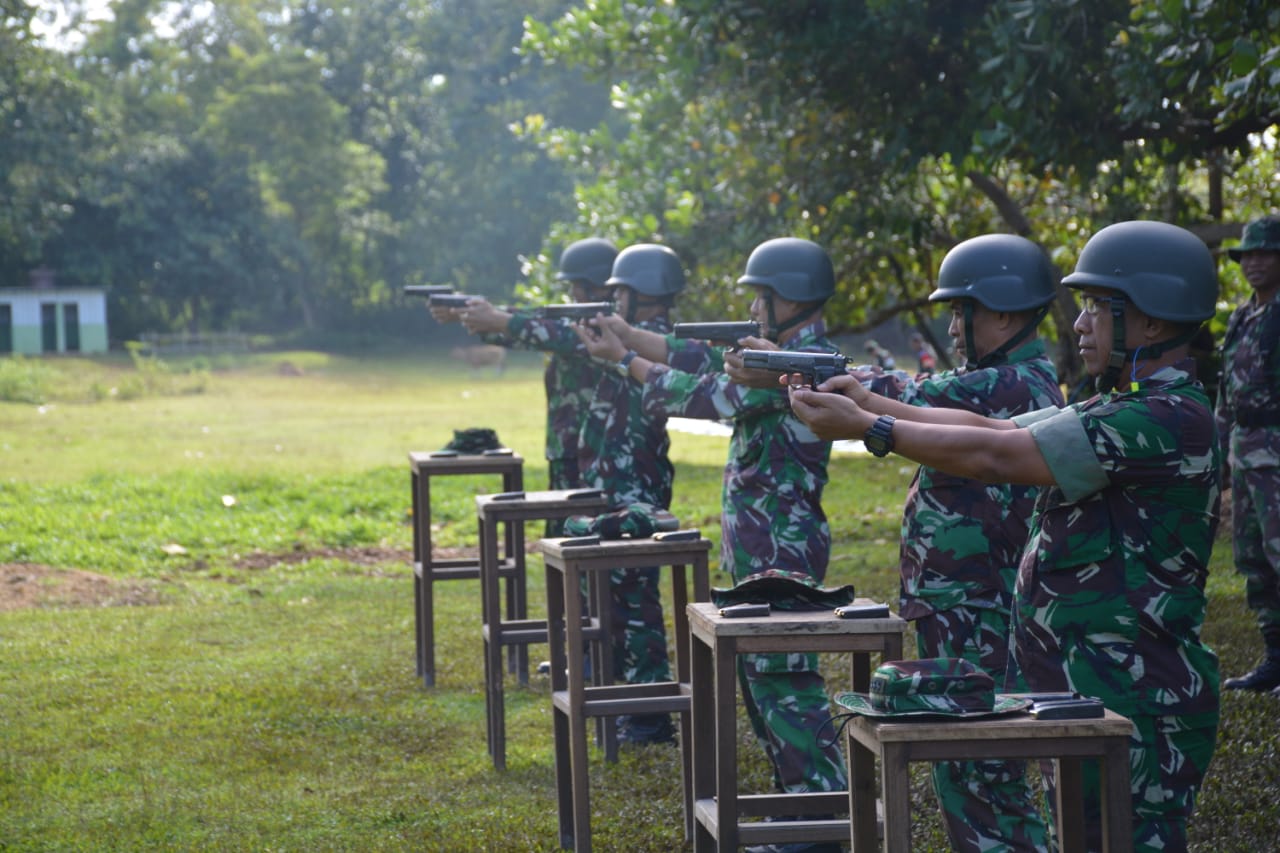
point(49, 327)
point(6, 328)
point(71, 326)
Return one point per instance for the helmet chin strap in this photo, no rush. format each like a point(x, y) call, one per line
point(1000, 354)
point(1115, 362)
point(637, 301)
point(775, 329)
point(1110, 378)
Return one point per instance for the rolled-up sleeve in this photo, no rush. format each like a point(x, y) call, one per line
point(1067, 450)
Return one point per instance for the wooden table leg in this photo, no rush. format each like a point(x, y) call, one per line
point(577, 720)
point(726, 759)
point(896, 796)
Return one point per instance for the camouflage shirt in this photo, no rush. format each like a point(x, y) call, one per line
point(1110, 594)
point(962, 538)
point(771, 515)
point(570, 376)
point(623, 446)
point(1249, 392)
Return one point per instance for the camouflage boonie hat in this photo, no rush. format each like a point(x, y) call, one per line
point(783, 590)
point(947, 687)
point(637, 521)
point(1259, 235)
point(474, 440)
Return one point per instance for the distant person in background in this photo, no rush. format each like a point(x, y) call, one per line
point(880, 356)
point(926, 358)
point(1248, 415)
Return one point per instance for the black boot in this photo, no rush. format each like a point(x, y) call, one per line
point(645, 729)
point(1266, 676)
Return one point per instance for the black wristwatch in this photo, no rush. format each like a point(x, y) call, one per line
point(879, 439)
point(624, 364)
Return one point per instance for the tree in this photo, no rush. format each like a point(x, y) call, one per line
point(45, 127)
point(889, 131)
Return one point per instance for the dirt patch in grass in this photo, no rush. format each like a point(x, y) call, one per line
point(362, 556)
point(25, 585)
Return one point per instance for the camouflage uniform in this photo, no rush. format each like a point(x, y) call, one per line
point(569, 379)
point(624, 452)
point(771, 518)
point(961, 543)
point(1248, 416)
point(1110, 594)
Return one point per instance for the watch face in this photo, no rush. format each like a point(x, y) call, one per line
point(879, 439)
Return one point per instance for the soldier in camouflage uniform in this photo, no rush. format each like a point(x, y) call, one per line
point(570, 377)
point(772, 516)
point(1249, 425)
point(624, 450)
point(1110, 595)
point(617, 447)
point(962, 538)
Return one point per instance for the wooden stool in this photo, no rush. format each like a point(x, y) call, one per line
point(572, 701)
point(517, 631)
point(1011, 736)
point(717, 642)
point(427, 570)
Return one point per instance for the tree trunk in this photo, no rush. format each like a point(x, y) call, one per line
point(1064, 310)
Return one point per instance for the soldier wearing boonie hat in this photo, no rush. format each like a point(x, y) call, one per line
point(1248, 414)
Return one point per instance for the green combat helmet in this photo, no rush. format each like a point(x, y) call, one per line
point(653, 273)
point(1002, 272)
point(589, 260)
point(1260, 235)
point(794, 269)
point(1165, 271)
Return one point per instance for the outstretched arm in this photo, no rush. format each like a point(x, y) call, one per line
point(603, 342)
point(651, 345)
point(481, 317)
point(986, 449)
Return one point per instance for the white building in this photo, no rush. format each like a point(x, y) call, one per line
point(46, 319)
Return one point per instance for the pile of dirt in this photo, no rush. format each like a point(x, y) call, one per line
point(363, 556)
point(25, 585)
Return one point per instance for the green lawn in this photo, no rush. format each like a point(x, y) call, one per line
point(268, 701)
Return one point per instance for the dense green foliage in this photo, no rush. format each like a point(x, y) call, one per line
point(889, 131)
point(277, 166)
point(286, 165)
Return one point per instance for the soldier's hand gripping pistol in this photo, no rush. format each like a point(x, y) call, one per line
point(814, 367)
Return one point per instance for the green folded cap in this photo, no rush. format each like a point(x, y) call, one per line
point(638, 521)
point(473, 440)
point(946, 687)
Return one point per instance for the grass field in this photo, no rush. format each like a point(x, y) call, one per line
point(236, 670)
